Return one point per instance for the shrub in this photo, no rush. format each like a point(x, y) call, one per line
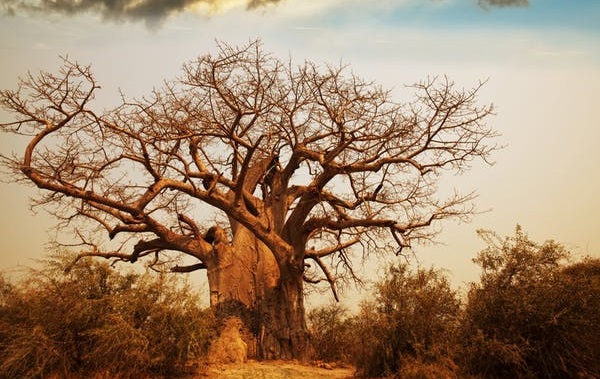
point(89, 319)
point(332, 333)
point(412, 319)
point(531, 316)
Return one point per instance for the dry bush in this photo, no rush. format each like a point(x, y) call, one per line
point(443, 368)
point(88, 319)
point(531, 316)
point(412, 319)
point(118, 347)
point(332, 334)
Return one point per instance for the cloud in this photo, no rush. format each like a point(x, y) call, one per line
point(252, 4)
point(503, 3)
point(153, 12)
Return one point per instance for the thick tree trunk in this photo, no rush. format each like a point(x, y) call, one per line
point(246, 281)
point(283, 333)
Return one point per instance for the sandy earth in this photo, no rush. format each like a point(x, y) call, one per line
point(275, 370)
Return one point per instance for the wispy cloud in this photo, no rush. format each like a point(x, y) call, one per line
point(153, 12)
point(503, 3)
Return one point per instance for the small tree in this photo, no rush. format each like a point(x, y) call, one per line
point(532, 317)
point(413, 319)
point(302, 167)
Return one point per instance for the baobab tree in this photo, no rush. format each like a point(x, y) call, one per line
point(271, 175)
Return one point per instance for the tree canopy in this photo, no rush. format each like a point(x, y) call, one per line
point(313, 160)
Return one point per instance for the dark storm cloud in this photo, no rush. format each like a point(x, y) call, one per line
point(150, 11)
point(503, 3)
point(153, 12)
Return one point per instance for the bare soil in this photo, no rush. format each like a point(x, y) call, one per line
point(276, 370)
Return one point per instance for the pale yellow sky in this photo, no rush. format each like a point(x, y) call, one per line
point(543, 79)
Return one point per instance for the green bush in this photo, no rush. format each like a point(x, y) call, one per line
point(531, 316)
point(412, 319)
point(89, 318)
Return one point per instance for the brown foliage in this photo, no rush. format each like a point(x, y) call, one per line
point(91, 319)
point(332, 334)
point(532, 316)
point(407, 329)
point(412, 319)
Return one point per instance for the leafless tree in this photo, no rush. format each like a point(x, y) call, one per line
point(308, 166)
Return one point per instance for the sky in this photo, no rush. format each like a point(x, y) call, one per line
point(540, 58)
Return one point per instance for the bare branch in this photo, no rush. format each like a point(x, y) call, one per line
point(342, 166)
point(190, 268)
point(328, 276)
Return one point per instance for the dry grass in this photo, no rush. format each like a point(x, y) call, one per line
point(275, 370)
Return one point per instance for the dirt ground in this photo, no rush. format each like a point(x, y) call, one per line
point(276, 370)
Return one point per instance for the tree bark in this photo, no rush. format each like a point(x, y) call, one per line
point(283, 333)
point(246, 281)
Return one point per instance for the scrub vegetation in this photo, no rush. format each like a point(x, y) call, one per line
point(533, 314)
point(87, 320)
